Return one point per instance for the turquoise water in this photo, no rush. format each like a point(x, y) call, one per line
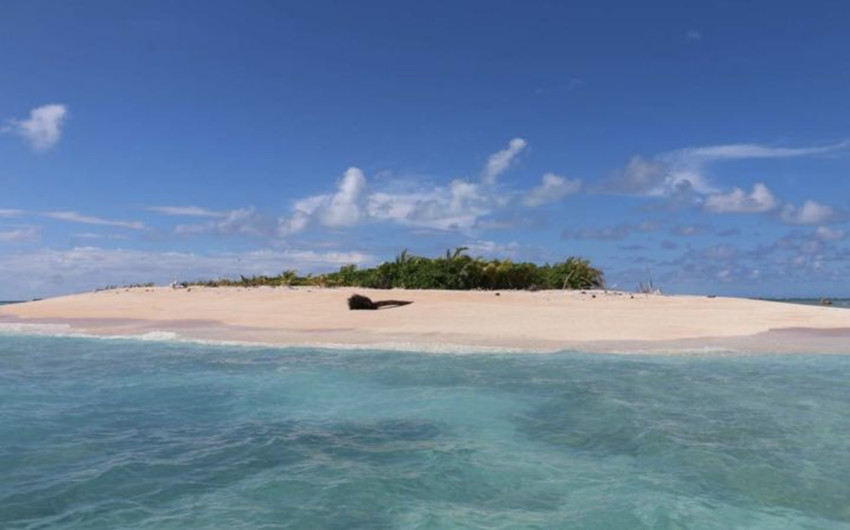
point(129, 434)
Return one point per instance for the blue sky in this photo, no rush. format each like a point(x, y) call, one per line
point(706, 147)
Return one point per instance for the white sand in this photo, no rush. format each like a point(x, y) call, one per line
point(541, 321)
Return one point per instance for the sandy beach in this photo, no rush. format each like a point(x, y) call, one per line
point(444, 320)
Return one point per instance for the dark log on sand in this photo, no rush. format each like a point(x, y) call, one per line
point(357, 301)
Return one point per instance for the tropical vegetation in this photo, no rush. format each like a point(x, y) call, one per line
point(456, 271)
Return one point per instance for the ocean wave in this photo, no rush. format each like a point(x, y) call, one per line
point(19, 328)
point(65, 330)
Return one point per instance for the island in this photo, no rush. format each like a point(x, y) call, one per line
point(468, 305)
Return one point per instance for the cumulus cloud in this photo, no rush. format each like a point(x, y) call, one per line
point(43, 128)
point(75, 217)
point(760, 200)
point(343, 209)
point(810, 213)
point(500, 161)
point(458, 205)
point(553, 188)
point(48, 272)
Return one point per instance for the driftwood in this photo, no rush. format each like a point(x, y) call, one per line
point(358, 301)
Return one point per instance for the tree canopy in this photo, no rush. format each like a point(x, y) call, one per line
point(455, 271)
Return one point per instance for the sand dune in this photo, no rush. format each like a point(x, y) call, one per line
point(540, 321)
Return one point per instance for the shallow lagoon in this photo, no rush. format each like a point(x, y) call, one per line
point(133, 434)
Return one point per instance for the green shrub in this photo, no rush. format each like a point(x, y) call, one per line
point(455, 271)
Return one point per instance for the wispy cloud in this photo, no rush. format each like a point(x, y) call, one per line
point(669, 173)
point(244, 222)
point(825, 233)
point(611, 233)
point(690, 230)
point(712, 153)
point(553, 188)
point(10, 213)
point(93, 236)
point(693, 34)
point(657, 177)
point(43, 128)
point(46, 271)
point(500, 161)
point(492, 249)
point(74, 217)
point(186, 211)
point(20, 235)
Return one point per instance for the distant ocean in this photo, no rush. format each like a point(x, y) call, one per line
point(132, 434)
point(836, 302)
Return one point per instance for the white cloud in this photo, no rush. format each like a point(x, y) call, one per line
point(500, 161)
point(810, 213)
point(48, 272)
point(824, 233)
point(43, 128)
point(186, 211)
point(293, 224)
point(657, 178)
point(693, 34)
point(11, 213)
point(748, 151)
point(685, 169)
point(760, 200)
point(343, 208)
point(552, 189)
point(456, 206)
point(244, 221)
point(611, 233)
point(94, 236)
point(75, 217)
point(20, 235)
point(491, 249)
point(459, 205)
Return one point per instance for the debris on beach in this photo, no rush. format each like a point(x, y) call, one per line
point(357, 301)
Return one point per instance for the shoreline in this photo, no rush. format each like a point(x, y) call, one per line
point(445, 321)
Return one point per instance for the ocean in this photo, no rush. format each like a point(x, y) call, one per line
point(101, 433)
point(834, 302)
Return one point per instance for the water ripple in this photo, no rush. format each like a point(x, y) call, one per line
point(100, 434)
